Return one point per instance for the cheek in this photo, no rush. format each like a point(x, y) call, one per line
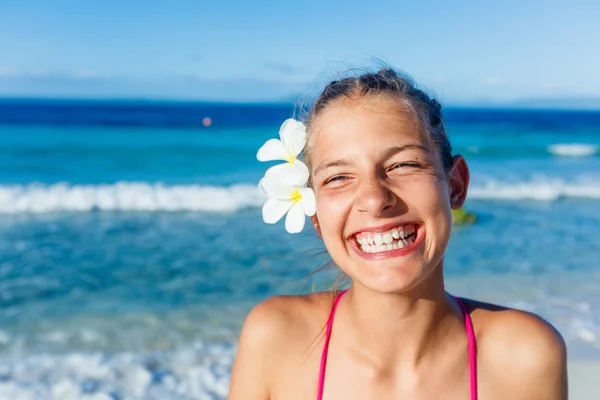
point(332, 211)
point(431, 200)
point(437, 201)
point(431, 192)
point(437, 207)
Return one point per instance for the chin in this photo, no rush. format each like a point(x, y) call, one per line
point(398, 278)
point(390, 269)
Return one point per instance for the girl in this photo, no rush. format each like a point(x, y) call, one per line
point(385, 182)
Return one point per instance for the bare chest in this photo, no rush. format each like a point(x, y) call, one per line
point(349, 381)
point(303, 385)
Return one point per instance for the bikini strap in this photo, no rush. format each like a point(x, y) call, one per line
point(472, 347)
point(470, 338)
point(326, 345)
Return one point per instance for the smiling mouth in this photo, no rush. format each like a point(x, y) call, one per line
point(402, 238)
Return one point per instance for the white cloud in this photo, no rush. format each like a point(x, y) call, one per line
point(6, 72)
point(493, 81)
point(83, 74)
point(551, 85)
point(88, 74)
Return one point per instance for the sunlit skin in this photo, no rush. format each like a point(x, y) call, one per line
point(397, 333)
point(374, 167)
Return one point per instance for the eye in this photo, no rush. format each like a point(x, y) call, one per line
point(409, 164)
point(336, 178)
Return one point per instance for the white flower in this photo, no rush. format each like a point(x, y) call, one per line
point(293, 140)
point(285, 184)
point(287, 193)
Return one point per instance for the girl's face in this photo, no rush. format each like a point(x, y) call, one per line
point(383, 199)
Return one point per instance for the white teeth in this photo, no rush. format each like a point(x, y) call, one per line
point(387, 238)
point(391, 240)
point(394, 245)
point(378, 239)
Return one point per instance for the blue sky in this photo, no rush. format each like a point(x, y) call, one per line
point(465, 51)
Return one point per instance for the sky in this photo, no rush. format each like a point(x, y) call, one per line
point(462, 51)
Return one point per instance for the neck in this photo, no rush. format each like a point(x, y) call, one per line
point(401, 329)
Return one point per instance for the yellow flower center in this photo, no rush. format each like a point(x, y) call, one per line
point(296, 196)
point(290, 158)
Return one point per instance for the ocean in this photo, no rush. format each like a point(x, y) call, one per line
point(132, 245)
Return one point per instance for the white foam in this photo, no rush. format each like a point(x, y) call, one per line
point(573, 149)
point(190, 372)
point(126, 196)
point(37, 198)
point(540, 190)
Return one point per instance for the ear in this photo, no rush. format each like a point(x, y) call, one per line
point(459, 182)
point(315, 221)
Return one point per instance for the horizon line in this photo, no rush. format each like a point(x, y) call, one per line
point(541, 104)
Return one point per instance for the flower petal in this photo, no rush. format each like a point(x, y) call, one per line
point(295, 174)
point(293, 136)
point(275, 187)
point(273, 149)
point(273, 210)
point(309, 204)
point(294, 222)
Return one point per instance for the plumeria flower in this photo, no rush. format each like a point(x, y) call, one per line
point(287, 193)
point(292, 140)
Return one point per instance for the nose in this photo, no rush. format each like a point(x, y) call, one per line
point(375, 198)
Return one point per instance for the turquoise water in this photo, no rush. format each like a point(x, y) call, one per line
point(130, 253)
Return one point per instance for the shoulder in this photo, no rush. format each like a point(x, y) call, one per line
point(285, 318)
point(277, 332)
point(521, 347)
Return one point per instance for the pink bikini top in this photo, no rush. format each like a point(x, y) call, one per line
point(470, 338)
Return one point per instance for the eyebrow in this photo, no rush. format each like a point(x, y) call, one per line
point(390, 152)
point(336, 163)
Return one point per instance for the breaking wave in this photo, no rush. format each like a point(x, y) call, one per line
point(546, 190)
point(153, 197)
point(126, 196)
point(573, 150)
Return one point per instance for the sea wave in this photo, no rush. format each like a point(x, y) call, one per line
point(573, 150)
point(142, 196)
point(126, 196)
point(197, 371)
point(531, 150)
point(542, 190)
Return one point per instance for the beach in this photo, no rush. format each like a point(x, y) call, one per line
point(583, 380)
point(132, 244)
